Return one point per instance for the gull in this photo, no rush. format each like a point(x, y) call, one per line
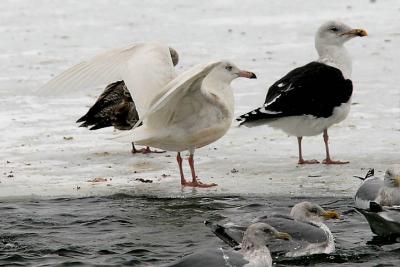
point(310, 99)
point(116, 107)
point(178, 113)
point(253, 251)
point(383, 221)
point(305, 224)
point(384, 192)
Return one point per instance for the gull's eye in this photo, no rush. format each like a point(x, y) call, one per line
point(314, 210)
point(228, 68)
point(334, 29)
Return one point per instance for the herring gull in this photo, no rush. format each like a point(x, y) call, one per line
point(384, 192)
point(310, 99)
point(178, 113)
point(253, 251)
point(305, 224)
point(383, 221)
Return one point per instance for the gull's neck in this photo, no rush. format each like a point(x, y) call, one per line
point(257, 254)
point(331, 240)
point(335, 56)
point(213, 86)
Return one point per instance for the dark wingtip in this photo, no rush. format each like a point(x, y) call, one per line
point(253, 76)
point(85, 124)
point(375, 207)
point(83, 118)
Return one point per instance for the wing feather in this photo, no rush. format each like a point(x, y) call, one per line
point(146, 68)
point(175, 90)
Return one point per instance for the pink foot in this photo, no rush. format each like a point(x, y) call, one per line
point(146, 150)
point(329, 161)
point(312, 161)
point(197, 184)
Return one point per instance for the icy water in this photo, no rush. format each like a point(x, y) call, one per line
point(130, 231)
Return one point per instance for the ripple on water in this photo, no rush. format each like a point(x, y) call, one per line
point(126, 230)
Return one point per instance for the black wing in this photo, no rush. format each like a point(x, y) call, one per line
point(114, 107)
point(314, 89)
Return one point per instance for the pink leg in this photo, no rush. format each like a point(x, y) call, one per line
point(179, 160)
point(301, 160)
point(328, 159)
point(195, 182)
point(146, 150)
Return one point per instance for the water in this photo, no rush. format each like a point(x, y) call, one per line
point(136, 231)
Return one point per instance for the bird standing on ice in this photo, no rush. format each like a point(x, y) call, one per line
point(178, 113)
point(310, 99)
point(115, 107)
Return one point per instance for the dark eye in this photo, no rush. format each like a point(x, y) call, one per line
point(228, 68)
point(314, 210)
point(334, 29)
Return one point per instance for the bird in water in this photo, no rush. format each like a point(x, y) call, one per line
point(253, 251)
point(116, 107)
point(385, 192)
point(310, 99)
point(305, 224)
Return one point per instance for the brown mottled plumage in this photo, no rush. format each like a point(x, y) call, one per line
point(115, 107)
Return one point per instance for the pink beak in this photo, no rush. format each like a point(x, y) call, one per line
point(247, 74)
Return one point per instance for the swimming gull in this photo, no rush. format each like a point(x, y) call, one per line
point(383, 221)
point(253, 251)
point(385, 192)
point(310, 99)
point(305, 224)
point(178, 113)
point(115, 107)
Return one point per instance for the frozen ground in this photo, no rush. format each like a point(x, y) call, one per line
point(44, 154)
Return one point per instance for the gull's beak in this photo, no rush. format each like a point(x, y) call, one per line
point(398, 180)
point(331, 214)
point(247, 74)
point(283, 235)
point(356, 32)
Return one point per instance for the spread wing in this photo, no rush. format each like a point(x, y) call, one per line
point(145, 68)
point(188, 82)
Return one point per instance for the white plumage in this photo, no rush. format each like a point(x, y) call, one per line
point(179, 113)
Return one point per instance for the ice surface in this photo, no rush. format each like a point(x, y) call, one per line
point(41, 38)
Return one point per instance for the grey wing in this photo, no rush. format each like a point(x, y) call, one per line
point(304, 235)
point(211, 258)
point(385, 223)
point(367, 192)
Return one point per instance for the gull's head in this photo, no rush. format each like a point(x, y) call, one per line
point(226, 71)
point(336, 33)
point(310, 212)
point(391, 178)
point(258, 234)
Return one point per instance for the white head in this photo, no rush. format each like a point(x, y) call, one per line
point(392, 178)
point(335, 33)
point(225, 71)
point(258, 234)
point(310, 212)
